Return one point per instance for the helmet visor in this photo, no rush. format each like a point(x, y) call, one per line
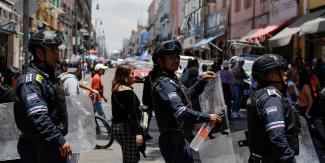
point(170, 46)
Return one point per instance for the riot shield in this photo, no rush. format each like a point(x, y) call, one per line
point(81, 133)
point(9, 133)
point(212, 101)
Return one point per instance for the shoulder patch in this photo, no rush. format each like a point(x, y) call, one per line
point(271, 92)
point(249, 101)
point(32, 97)
point(172, 95)
point(271, 110)
point(39, 78)
point(28, 78)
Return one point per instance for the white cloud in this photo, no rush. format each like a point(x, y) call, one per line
point(119, 17)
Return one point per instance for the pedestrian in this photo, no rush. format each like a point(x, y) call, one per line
point(96, 84)
point(7, 89)
point(7, 93)
point(84, 70)
point(204, 68)
point(273, 123)
point(126, 128)
point(227, 80)
point(307, 106)
point(238, 88)
point(306, 96)
point(216, 66)
point(41, 114)
point(192, 72)
point(172, 103)
point(292, 91)
point(62, 67)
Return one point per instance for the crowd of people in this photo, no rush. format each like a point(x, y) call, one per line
point(41, 114)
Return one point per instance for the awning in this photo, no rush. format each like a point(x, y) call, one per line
point(313, 26)
point(207, 40)
point(284, 37)
point(262, 34)
point(248, 34)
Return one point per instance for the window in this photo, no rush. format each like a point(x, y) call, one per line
point(237, 5)
point(247, 3)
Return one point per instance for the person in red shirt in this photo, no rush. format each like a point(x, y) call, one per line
point(96, 84)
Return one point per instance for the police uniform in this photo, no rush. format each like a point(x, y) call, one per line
point(41, 116)
point(172, 107)
point(273, 126)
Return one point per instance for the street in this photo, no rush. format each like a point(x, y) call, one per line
point(114, 153)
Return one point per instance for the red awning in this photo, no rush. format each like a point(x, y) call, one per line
point(264, 33)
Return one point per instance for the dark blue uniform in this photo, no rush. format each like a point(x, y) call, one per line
point(273, 126)
point(41, 116)
point(172, 108)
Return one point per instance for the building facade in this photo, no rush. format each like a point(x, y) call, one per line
point(10, 34)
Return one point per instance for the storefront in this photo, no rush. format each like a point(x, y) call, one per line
point(310, 28)
point(9, 43)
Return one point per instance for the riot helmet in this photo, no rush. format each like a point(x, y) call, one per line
point(166, 48)
point(43, 39)
point(267, 63)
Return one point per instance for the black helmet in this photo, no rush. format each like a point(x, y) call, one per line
point(266, 63)
point(166, 48)
point(44, 38)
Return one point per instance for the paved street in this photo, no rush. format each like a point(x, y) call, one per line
point(114, 153)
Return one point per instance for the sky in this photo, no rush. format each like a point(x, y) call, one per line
point(119, 18)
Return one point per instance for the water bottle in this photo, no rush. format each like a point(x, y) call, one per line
point(200, 136)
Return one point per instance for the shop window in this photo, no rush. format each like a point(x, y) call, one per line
point(237, 5)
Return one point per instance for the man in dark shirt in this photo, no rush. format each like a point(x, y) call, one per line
point(41, 114)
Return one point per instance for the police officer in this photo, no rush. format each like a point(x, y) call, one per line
point(273, 123)
point(171, 102)
point(41, 114)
